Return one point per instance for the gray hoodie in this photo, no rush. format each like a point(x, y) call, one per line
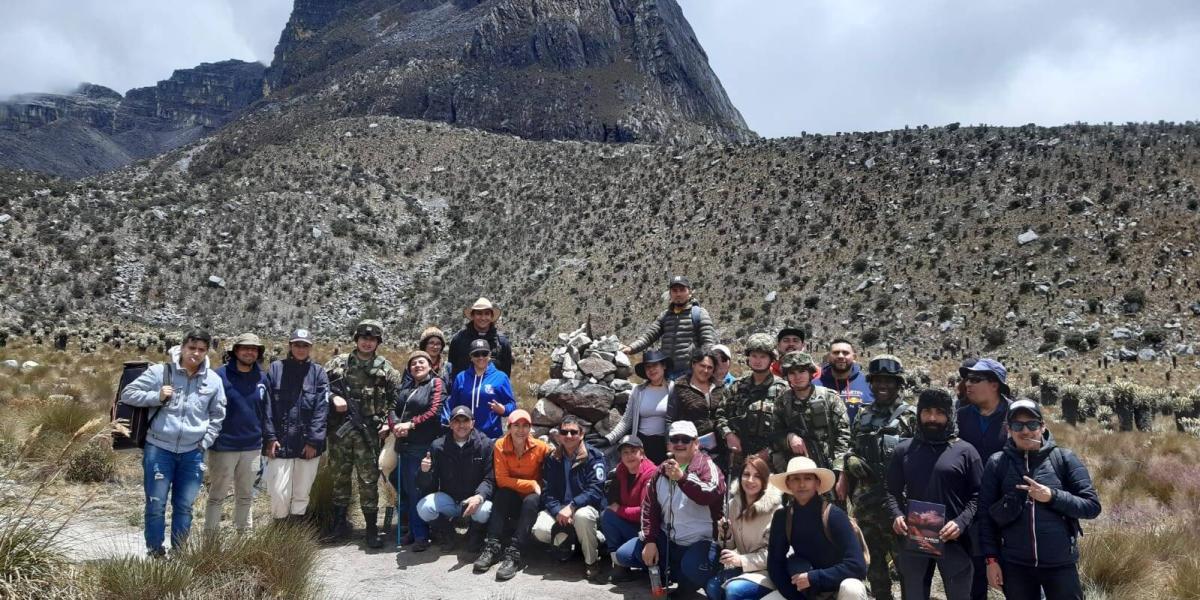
point(192, 418)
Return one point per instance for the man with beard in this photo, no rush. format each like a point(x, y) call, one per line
point(789, 339)
point(682, 326)
point(938, 468)
point(873, 437)
point(844, 376)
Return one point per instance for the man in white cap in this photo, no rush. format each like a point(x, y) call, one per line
point(294, 421)
point(481, 325)
point(684, 502)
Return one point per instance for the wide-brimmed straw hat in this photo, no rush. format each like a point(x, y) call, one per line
point(483, 304)
point(799, 465)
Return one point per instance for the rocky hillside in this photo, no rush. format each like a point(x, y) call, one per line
point(600, 70)
point(1058, 242)
point(95, 129)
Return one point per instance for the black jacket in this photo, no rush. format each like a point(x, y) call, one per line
point(1042, 534)
point(420, 404)
point(460, 472)
point(945, 472)
point(460, 349)
point(296, 415)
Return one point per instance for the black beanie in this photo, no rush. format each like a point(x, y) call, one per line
point(936, 398)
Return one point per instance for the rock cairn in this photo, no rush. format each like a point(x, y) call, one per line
point(589, 378)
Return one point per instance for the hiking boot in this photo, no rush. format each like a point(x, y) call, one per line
point(338, 528)
point(157, 554)
point(387, 522)
point(372, 533)
point(592, 572)
point(420, 546)
point(475, 538)
point(621, 574)
point(489, 556)
point(511, 565)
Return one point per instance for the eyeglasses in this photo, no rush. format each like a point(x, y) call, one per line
point(681, 440)
point(1030, 426)
point(480, 354)
point(570, 432)
point(976, 378)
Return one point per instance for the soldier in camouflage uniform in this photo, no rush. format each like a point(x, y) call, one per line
point(745, 416)
point(873, 436)
point(362, 382)
point(809, 420)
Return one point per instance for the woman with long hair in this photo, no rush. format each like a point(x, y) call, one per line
point(745, 534)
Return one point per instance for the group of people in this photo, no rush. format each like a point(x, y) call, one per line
point(741, 487)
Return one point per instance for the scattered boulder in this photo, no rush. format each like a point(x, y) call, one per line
point(216, 282)
point(546, 413)
point(1027, 237)
point(28, 366)
point(10, 364)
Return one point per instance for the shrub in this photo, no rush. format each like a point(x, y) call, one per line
point(1154, 335)
point(94, 463)
point(995, 336)
point(1051, 335)
point(1135, 296)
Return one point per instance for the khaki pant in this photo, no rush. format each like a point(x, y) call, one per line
point(289, 481)
point(851, 589)
point(585, 521)
point(225, 470)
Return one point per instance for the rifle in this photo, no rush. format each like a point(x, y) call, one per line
point(353, 419)
point(814, 450)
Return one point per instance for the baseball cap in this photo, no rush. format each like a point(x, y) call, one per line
point(462, 411)
point(723, 349)
point(518, 415)
point(303, 336)
point(480, 346)
point(683, 428)
point(630, 440)
point(680, 280)
point(1026, 405)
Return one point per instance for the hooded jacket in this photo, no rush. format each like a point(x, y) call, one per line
point(750, 536)
point(673, 329)
point(460, 472)
point(192, 418)
point(1045, 534)
point(245, 397)
point(587, 475)
point(460, 350)
point(629, 492)
point(476, 392)
point(945, 472)
point(296, 417)
point(854, 390)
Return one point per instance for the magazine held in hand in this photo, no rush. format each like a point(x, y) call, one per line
point(925, 522)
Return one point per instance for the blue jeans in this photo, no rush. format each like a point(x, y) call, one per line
point(690, 566)
point(410, 465)
point(439, 504)
point(736, 589)
point(616, 530)
point(178, 474)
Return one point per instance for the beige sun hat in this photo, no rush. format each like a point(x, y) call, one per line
point(483, 304)
point(803, 464)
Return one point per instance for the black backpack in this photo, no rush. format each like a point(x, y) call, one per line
point(136, 418)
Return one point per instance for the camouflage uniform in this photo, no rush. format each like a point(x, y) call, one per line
point(748, 409)
point(820, 420)
point(370, 385)
point(873, 437)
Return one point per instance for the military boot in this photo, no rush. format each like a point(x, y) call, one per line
point(372, 533)
point(511, 565)
point(489, 556)
point(338, 528)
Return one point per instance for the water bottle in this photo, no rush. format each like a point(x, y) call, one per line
point(657, 589)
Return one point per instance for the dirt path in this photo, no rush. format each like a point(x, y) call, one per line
point(349, 571)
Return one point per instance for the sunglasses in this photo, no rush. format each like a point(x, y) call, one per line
point(681, 440)
point(570, 432)
point(480, 354)
point(1030, 426)
point(976, 378)
point(722, 358)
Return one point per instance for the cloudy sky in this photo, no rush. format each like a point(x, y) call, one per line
point(789, 65)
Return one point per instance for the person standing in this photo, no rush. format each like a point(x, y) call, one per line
point(416, 422)
point(844, 376)
point(485, 389)
point(1035, 492)
point(694, 398)
point(809, 420)
point(873, 437)
point(746, 414)
point(682, 326)
point(363, 388)
point(482, 317)
point(680, 515)
point(743, 557)
point(234, 458)
point(295, 415)
point(433, 343)
point(646, 412)
point(189, 406)
point(936, 467)
point(721, 375)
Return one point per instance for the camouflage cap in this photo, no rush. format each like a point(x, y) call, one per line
point(369, 327)
point(761, 342)
point(798, 360)
point(885, 365)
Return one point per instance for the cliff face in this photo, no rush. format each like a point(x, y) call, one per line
point(94, 129)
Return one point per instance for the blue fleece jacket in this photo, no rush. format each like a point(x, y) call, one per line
point(588, 473)
point(478, 392)
point(242, 429)
point(854, 390)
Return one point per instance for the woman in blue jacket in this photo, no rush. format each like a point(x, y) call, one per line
point(485, 389)
point(1034, 493)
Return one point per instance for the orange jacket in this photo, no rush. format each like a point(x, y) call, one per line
point(523, 474)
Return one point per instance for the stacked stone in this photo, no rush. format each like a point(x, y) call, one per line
point(589, 379)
